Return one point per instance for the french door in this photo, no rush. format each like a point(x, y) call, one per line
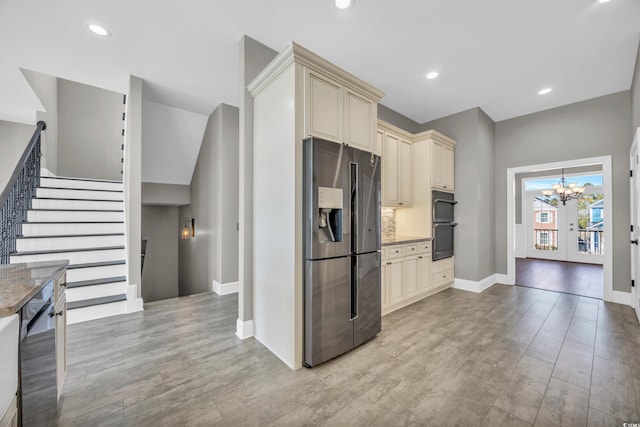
point(571, 232)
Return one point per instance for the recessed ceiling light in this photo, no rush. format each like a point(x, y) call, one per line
point(545, 91)
point(343, 4)
point(432, 75)
point(99, 30)
point(604, 1)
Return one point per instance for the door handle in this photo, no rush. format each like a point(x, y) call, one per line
point(634, 242)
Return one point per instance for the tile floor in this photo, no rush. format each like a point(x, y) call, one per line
point(568, 277)
point(510, 356)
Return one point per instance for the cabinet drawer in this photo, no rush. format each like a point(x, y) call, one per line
point(410, 250)
point(424, 247)
point(395, 252)
point(442, 265)
point(439, 278)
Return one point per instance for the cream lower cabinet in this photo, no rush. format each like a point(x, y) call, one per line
point(406, 275)
point(10, 417)
point(61, 331)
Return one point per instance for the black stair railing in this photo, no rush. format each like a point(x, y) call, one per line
point(17, 194)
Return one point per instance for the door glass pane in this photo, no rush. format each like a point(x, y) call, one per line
point(545, 224)
point(590, 224)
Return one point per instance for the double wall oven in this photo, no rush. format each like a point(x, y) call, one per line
point(443, 224)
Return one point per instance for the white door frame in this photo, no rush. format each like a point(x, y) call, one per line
point(635, 258)
point(605, 161)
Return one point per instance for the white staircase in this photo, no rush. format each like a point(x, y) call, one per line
point(82, 221)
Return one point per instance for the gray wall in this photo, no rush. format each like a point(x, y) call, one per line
point(393, 117)
point(213, 253)
point(597, 127)
point(161, 228)
point(165, 194)
point(46, 89)
point(89, 131)
point(635, 94)
point(474, 237)
point(254, 56)
point(14, 138)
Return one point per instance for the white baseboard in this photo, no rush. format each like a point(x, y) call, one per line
point(622, 298)
point(244, 329)
point(503, 279)
point(134, 303)
point(225, 288)
point(471, 286)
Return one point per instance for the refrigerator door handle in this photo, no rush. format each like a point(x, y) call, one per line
point(353, 172)
point(354, 288)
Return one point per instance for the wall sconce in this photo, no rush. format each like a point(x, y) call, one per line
point(189, 230)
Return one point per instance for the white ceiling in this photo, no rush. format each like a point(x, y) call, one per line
point(495, 54)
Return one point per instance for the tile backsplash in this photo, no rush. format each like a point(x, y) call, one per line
point(388, 222)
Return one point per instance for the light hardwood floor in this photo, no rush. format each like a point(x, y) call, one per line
point(510, 356)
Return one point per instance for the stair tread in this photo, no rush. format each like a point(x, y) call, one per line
point(60, 251)
point(81, 179)
point(70, 236)
point(73, 222)
point(104, 281)
point(96, 264)
point(80, 189)
point(75, 210)
point(75, 199)
point(96, 301)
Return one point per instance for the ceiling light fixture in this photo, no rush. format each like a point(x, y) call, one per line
point(545, 91)
point(343, 4)
point(432, 75)
point(604, 1)
point(564, 191)
point(99, 30)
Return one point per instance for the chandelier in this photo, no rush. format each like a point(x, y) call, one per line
point(564, 191)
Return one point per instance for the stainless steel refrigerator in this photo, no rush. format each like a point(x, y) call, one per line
point(341, 249)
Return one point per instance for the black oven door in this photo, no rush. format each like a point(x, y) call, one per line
point(443, 240)
point(443, 204)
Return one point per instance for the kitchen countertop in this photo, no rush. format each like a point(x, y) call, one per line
point(398, 239)
point(20, 282)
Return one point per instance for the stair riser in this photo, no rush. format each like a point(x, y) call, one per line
point(76, 205)
point(87, 185)
point(96, 312)
point(73, 257)
point(74, 242)
point(35, 229)
point(93, 273)
point(69, 216)
point(57, 193)
point(96, 291)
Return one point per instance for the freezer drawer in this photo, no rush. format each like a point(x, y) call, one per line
point(328, 330)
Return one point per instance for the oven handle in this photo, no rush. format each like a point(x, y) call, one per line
point(452, 202)
point(450, 224)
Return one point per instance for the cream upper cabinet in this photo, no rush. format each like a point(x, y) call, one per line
point(405, 169)
point(377, 148)
point(390, 178)
point(397, 169)
point(324, 107)
point(360, 121)
point(442, 164)
point(338, 113)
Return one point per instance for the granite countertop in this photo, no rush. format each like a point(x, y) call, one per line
point(397, 239)
point(20, 282)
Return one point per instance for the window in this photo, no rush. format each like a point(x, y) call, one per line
point(543, 238)
point(544, 217)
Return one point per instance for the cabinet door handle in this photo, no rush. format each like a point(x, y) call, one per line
point(388, 262)
point(420, 257)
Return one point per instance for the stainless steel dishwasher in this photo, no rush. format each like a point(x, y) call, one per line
point(37, 382)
